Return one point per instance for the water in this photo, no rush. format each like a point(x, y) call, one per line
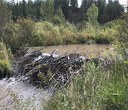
point(17, 95)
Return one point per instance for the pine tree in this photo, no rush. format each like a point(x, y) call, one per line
point(37, 9)
point(92, 15)
point(60, 13)
point(85, 5)
point(24, 12)
point(101, 6)
point(113, 10)
point(74, 3)
point(47, 9)
point(64, 4)
point(5, 15)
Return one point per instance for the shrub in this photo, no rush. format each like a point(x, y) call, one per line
point(68, 35)
point(27, 27)
point(11, 34)
point(56, 20)
point(106, 36)
point(87, 34)
point(47, 34)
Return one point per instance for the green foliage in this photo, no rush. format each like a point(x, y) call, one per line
point(57, 20)
point(29, 33)
point(60, 14)
point(86, 34)
point(47, 9)
point(47, 33)
point(26, 26)
point(5, 15)
point(11, 34)
point(97, 89)
point(5, 64)
point(92, 15)
point(74, 3)
point(106, 36)
point(113, 10)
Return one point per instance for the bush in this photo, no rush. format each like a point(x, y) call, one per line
point(68, 35)
point(47, 34)
point(56, 20)
point(11, 34)
point(27, 27)
point(106, 36)
point(29, 33)
point(87, 34)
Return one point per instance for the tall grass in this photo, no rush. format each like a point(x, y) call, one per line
point(5, 63)
point(96, 89)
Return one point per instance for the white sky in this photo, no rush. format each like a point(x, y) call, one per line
point(123, 2)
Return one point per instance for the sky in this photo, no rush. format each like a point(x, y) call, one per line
point(123, 2)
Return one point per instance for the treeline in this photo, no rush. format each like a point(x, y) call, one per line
point(43, 23)
point(65, 9)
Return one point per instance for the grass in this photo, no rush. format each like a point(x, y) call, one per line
point(5, 63)
point(96, 89)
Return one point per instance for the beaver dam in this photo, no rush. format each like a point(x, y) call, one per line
point(39, 72)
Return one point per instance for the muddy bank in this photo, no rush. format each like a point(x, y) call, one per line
point(77, 48)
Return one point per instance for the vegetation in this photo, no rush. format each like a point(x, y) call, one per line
point(5, 64)
point(97, 89)
point(44, 10)
point(57, 22)
point(40, 23)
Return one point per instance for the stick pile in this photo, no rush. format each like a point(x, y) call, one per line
point(52, 70)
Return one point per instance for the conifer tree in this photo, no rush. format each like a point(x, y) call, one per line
point(47, 9)
point(74, 3)
point(5, 14)
point(92, 15)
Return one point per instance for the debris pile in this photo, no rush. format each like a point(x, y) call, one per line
point(52, 70)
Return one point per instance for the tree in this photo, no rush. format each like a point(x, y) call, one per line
point(74, 3)
point(47, 9)
point(60, 13)
point(113, 10)
point(56, 6)
point(37, 9)
point(64, 4)
point(5, 14)
point(24, 12)
point(101, 6)
point(92, 15)
point(85, 5)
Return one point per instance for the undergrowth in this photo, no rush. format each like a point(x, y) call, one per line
point(5, 62)
point(26, 32)
point(96, 89)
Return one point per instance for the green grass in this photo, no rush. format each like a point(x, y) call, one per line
point(5, 62)
point(96, 89)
